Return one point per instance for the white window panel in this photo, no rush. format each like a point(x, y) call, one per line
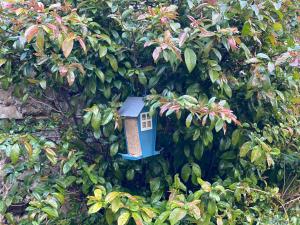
point(146, 121)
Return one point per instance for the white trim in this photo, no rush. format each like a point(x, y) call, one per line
point(146, 122)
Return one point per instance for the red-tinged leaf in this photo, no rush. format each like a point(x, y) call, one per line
point(58, 19)
point(31, 32)
point(148, 43)
point(182, 38)
point(211, 2)
point(137, 218)
point(63, 70)
point(164, 108)
point(40, 7)
point(52, 27)
point(82, 44)
point(143, 16)
point(156, 53)
point(6, 5)
point(67, 46)
point(232, 43)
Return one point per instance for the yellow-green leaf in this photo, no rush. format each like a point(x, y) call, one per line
point(124, 218)
point(2, 61)
point(15, 153)
point(277, 26)
point(256, 153)
point(245, 149)
point(111, 196)
point(40, 40)
point(98, 194)
point(177, 215)
point(95, 208)
point(113, 62)
point(188, 120)
point(28, 148)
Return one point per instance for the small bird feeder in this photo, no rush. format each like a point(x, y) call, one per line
point(140, 129)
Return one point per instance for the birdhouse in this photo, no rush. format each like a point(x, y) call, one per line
point(140, 129)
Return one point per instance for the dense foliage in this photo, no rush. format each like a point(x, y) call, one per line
point(222, 74)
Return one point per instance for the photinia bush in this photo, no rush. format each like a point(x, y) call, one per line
point(223, 76)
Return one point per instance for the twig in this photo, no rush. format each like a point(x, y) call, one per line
point(46, 104)
point(289, 185)
point(292, 201)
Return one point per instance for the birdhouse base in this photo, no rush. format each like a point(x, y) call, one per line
point(131, 157)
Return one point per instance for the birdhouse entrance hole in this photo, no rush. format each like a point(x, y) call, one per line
point(132, 137)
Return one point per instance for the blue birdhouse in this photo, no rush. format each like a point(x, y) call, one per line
point(140, 129)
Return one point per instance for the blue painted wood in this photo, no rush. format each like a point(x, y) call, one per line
point(132, 107)
point(147, 139)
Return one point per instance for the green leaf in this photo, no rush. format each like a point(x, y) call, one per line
point(113, 62)
point(95, 208)
point(256, 153)
point(219, 125)
point(50, 212)
point(114, 149)
point(43, 84)
point(104, 37)
point(162, 218)
point(109, 216)
point(275, 151)
point(177, 215)
point(130, 174)
point(107, 117)
point(235, 137)
point(142, 78)
point(96, 121)
point(40, 40)
point(190, 59)
point(188, 120)
point(263, 56)
point(196, 170)
point(213, 75)
point(102, 51)
point(15, 153)
point(246, 31)
point(68, 165)
point(100, 75)
point(198, 150)
point(123, 218)
point(245, 148)
point(154, 184)
point(186, 172)
point(87, 118)
point(212, 207)
point(227, 90)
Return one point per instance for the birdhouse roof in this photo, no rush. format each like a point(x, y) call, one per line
point(132, 107)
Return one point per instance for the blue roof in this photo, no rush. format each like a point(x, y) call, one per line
point(132, 107)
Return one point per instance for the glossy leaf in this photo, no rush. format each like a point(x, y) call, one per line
point(190, 59)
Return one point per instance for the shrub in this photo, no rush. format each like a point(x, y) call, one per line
point(223, 75)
